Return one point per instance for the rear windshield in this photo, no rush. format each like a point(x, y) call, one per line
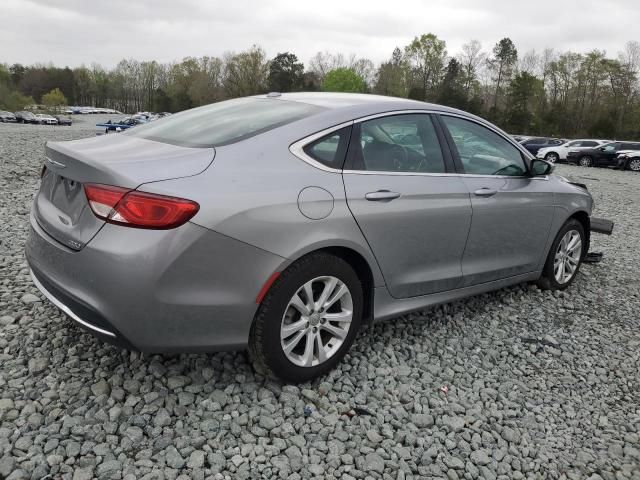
point(224, 123)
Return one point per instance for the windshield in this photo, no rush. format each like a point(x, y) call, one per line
point(224, 123)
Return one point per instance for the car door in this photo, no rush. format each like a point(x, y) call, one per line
point(607, 154)
point(512, 212)
point(413, 210)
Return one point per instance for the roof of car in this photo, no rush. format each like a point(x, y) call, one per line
point(334, 100)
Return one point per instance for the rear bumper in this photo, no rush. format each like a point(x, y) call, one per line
point(182, 290)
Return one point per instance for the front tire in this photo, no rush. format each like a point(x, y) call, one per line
point(585, 161)
point(565, 257)
point(308, 319)
point(634, 164)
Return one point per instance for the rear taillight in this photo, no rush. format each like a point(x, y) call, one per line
point(132, 208)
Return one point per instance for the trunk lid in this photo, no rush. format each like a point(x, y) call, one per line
point(61, 207)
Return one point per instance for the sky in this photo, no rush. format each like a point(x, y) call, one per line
point(76, 32)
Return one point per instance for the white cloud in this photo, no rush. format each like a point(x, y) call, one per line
point(73, 32)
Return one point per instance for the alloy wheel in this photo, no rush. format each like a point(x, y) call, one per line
point(634, 164)
point(316, 321)
point(567, 259)
point(585, 161)
point(552, 157)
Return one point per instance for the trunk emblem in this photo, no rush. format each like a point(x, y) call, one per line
point(54, 163)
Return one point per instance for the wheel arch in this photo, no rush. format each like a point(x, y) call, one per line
point(585, 221)
point(367, 273)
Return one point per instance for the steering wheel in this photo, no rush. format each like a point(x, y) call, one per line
point(399, 156)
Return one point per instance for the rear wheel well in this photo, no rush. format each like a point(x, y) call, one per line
point(583, 218)
point(363, 270)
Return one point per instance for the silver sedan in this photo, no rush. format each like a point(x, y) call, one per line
point(284, 222)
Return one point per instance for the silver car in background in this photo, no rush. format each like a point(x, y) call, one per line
point(284, 222)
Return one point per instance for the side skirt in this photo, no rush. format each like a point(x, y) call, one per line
point(385, 306)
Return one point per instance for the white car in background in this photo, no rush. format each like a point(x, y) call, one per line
point(629, 160)
point(46, 119)
point(558, 153)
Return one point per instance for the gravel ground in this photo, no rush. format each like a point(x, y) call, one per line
point(514, 384)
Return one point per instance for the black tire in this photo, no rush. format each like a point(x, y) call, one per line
point(552, 157)
point(265, 348)
point(547, 280)
point(585, 161)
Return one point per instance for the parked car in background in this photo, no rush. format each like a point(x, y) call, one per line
point(315, 218)
point(536, 143)
point(7, 117)
point(26, 117)
point(122, 124)
point(63, 120)
point(629, 160)
point(605, 155)
point(44, 119)
point(558, 153)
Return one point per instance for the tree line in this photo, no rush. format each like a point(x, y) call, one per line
point(563, 94)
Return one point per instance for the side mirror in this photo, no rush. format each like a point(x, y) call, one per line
point(540, 168)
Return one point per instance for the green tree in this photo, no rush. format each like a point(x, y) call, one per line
point(452, 90)
point(285, 73)
point(55, 98)
point(393, 76)
point(523, 96)
point(426, 56)
point(246, 73)
point(343, 80)
point(505, 56)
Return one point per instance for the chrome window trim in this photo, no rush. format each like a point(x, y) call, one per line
point(66, 309)
point(297, 148)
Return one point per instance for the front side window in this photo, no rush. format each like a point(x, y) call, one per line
point(225, 122)
point(330, 149)
point(482, 151)
point(397, 143)
point(574, 144)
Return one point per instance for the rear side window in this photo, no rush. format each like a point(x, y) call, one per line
point(224, 123)
point(331, 149)
point(589, 144)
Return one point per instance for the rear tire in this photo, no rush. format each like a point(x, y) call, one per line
point(585, 161)
point(552, 157)
point(564, 258)
point(286, 343)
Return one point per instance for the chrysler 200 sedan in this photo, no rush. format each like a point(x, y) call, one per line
point(284, 222)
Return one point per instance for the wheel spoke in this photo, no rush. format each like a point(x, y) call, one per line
point(298, 304)
point(290, 345)
point(329, 286)
point(290, 329)
point(308, 291)
point(336, 296)
point(322, 354)
point(573, 243)
point(344, 317)
point(307, 356)
point(335, 331)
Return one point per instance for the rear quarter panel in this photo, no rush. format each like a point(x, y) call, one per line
point(250, 193)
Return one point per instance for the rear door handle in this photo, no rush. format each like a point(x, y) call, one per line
point(381, 195)
point(485, 192)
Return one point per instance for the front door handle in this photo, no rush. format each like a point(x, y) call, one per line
point(485, 192)
point(381, 195)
